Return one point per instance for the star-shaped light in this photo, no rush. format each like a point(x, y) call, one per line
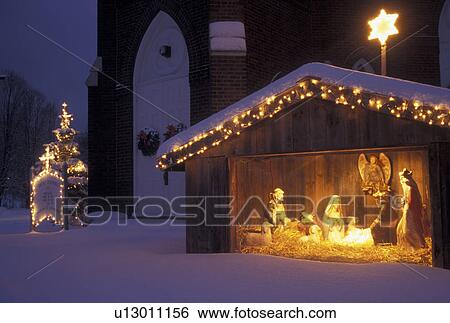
point(383, 26)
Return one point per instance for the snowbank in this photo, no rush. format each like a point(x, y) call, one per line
point(340, 76)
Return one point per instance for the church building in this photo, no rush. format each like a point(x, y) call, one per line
point(172, 63)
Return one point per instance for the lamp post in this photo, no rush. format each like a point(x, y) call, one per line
point(383, 26)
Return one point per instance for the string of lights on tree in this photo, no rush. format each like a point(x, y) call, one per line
point(65, 146)
point(64, 150)
point(352, 98)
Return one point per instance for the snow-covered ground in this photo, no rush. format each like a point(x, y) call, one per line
point(137, 263)
point(14, 220)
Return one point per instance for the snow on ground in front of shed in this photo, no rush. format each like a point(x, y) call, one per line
point(137, 263)
point(335, 75)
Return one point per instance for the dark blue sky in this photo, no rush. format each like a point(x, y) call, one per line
point(47, 68)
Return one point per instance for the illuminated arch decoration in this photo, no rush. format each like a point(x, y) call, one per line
point(346, 88)
point(47, 189)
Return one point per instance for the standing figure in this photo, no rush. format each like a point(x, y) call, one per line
point(277, 214)
point(334, 228)
point(410, 233)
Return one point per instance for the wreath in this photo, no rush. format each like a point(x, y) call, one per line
point(148, 141)
point(172, 130)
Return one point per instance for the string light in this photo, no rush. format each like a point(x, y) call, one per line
point(354, 98)
point(63, 150)
point(47, 158)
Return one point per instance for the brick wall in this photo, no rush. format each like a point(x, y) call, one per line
point(278, 39)
point(340, 32)
point(228, 76)
point(101, 114)
point(122, 25)
point(228, 73)
point(280, 36)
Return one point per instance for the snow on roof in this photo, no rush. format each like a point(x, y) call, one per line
point(383, 85)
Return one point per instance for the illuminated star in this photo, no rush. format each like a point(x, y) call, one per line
point(383, 26)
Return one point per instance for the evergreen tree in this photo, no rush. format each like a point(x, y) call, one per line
point(66, 150)
point(65, 147)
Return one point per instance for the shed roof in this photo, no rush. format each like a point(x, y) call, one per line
point(401, 98)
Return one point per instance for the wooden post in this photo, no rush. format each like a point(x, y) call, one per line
point(208, 177)
point(31, 192)
point(65, 216)
point(383, 60)
point(439, 168)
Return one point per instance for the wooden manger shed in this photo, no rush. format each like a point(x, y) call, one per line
point(304, 133)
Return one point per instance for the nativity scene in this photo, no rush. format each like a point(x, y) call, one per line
point(335, 235)
point(334, 168)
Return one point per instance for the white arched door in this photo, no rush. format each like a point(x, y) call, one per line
point(161, 81)
point(444, 44)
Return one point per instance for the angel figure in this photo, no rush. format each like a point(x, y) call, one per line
point(410, 233)
point(375, 174)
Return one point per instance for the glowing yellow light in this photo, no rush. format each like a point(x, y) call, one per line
point(383, 26)
point(419, 110)
point(47, 157)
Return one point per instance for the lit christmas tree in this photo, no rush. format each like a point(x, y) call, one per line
point(65, 147)
point(66, 151)
point(60, 161)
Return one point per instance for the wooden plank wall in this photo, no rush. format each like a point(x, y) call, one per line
point(315, 126)
point(207, 177)
point(439, 165)
point(319, 125)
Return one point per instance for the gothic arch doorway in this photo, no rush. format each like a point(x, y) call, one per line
point(161, 78)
